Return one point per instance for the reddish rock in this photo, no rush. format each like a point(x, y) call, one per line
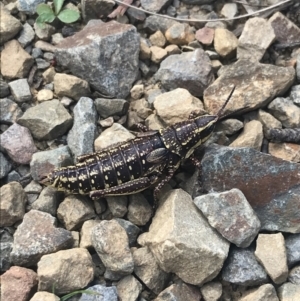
point(205, 35)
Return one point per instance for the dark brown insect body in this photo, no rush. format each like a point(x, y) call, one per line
point(132, 166)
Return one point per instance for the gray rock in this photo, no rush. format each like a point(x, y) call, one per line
point(251, 172)
point(41, 64)
point(294, 275)
point(74, 211)
point(155, 23)
point(298, 68)
point(105, 294)
point(211, 291)
point(178, 240)
point(5, 166)
point(154, 6)
point(4, 89)
point(18, 143)
point(107, 44)
point(231, 215)
point(29, 6)
point(9, 111)
point(12, 203)
point(189, 70)
point(132, 230)
point(86, 233)
point(147, 269)
point(5, 249)
point(289, 292)
point(242, 268)
point(91, 8)
point(36, 53)
point(82, 135)
point(111, 244)
point(26, 35)
point(44, 33)
point(229, 126)
point(13, 176)
point(259, 80)
point(292, 244)
point(265, 292)
point(78, 264)
point(109, 107)
point(117, 205)
point(44, 162)
point(295, 94)
point(47, 120)
point(20, 90)
point(129, 288)
point(10, 25)
point(36, 236)
point(286, 111)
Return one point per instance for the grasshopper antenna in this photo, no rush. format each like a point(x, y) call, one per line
point(219, 114)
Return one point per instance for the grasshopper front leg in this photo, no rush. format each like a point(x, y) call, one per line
point(130, 187)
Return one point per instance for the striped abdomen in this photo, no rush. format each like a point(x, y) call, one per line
point(108, 168)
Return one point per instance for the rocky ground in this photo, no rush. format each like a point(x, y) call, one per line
point(228, 232)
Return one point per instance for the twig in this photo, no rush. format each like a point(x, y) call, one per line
point(120, 10)
point(204, 21)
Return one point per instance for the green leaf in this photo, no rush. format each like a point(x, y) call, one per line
point(43, 8)
point(45, 17)
point(68, 15)
point(58, 5)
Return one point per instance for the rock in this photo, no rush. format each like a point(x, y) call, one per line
point(141, 107)
point(139, 210)
point(101, 40)
point(110, 107)
point(6, 244)
point(129, 288)
point(157, 54)
point(9, 25)
point(47, 201)
point(49, 75)
point(157, 39)
point(18, 284)
point(180, 292)
point(44, 162)
point(265, 292)
point(289, 292)
point(205, 35)
point(286, 111)
point(147, 269)
point(155, 23)
point(26, 35)
point(270, 248)
point(176, 106)
point(70, 270)
point(44, 95)
point(41, 64)
point(241, 74)
point(104, 293)
point(82, 135)
point(36, 236)
point(292, 244)
point(268, 121)
point(15, 61)
point(70, 86)
point(74, 210)
point(91, 9)
point(9, 111)
point(257, 36)
point(113, 135)
point(13, 199)
point(189, 70)
point(47, 121)
point(251, 136)
point(237, 222)
point(20, 90)
point(229, 126)
point(298, 68)
point(117, 205)
point(111, 244)
point(211, 291)
point(294, 275)
point(132, 230)
point(295, 94)
point(4, 89)
point(18, 143)
point(154, 6)
point(180, 247)
point(286, 32)
point(5, 166)
point(225, 42)
point(285, 151)
point(86, 233)
point(137, 91)
point(242, 268)
point(45, 296)
point(44, 33)
point(180, 34)
point(145, 52)
point(224, 168)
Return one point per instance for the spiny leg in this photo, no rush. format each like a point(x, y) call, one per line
point(195, 161)
point(161, 184)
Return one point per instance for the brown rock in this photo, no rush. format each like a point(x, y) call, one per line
point(225, 42)
point(285, 151)
point(15, 61)
point(205, 35)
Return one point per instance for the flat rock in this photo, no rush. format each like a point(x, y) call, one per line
point(270, 185)
point(107, 44)
point(27, 35)
point(82, 135)
point(72, 270)
point(231, 215)
point(258, 80)
point(18, 143)
point(189, 70)
point(20, 90)
point(47, 121)
point(36, 236)
point(15, 61)
point(182, 247)
point(285, 151)
point(110, 107)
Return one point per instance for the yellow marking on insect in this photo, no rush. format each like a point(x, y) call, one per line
point(106, 177)
point(143, 161)
point(130, 167)
point(118, 173)
point(92, 181)
point(80, 185)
